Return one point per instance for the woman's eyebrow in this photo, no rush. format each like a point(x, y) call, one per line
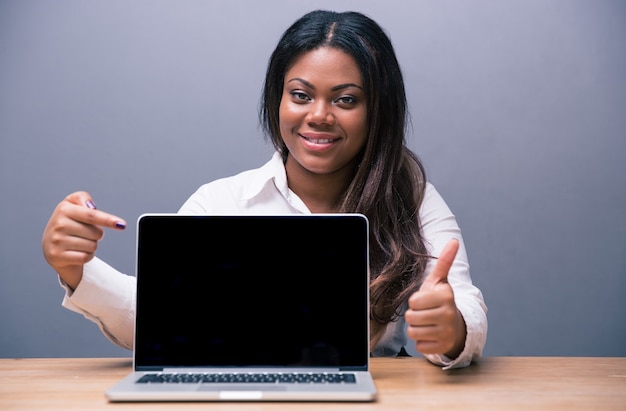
point(303, 81)
point(335, 88)
point(346, 85)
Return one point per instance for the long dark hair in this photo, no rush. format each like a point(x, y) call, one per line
point(389, 184)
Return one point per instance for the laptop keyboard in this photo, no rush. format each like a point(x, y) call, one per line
point(270, 378)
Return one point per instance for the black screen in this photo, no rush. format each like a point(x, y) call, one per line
point(252, 290)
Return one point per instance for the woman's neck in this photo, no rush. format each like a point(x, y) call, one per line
point(320, 192)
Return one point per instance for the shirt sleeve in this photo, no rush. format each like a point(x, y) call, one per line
point(439, 226)
point(106, 297)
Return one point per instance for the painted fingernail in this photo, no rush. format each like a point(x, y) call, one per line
point(90, 204)
point(120, 225)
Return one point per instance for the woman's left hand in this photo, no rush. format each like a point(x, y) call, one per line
point(434, 321)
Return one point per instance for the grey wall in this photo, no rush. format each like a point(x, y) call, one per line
point(519, 112)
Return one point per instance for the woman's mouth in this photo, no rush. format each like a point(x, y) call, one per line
point(317, 139)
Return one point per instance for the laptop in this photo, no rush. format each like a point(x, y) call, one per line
point(251, 308)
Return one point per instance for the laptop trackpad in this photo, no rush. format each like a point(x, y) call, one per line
point(241, 388)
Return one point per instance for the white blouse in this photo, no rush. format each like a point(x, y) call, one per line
point(107, 296)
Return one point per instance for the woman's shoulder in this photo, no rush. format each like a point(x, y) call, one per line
point(433, 204)
point(228, 193)
point(246, 180)
point(431, 193)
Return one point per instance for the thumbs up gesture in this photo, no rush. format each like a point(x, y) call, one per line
point(433, 320)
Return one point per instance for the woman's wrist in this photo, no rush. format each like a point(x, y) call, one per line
point(461, 336)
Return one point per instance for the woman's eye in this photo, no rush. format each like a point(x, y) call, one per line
point(346, 100)
point(298, 95)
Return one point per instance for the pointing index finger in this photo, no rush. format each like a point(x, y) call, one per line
point(100, 218)
point(88, 213)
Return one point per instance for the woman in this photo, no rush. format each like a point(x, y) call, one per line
point(335, 109)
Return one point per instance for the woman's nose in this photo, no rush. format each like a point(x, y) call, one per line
point(321, 113)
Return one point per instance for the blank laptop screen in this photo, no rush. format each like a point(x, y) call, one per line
point(252, 291)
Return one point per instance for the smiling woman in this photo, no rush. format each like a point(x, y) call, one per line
point(323, 123)
point(335, 110)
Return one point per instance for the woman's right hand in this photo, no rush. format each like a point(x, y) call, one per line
point(72, 234)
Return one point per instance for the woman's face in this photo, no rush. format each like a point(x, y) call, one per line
point(322, 112)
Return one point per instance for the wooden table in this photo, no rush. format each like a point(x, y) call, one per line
point(495, 383)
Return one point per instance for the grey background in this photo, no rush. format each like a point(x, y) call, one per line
point(518, 108)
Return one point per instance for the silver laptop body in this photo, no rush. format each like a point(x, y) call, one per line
point(251, 308)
